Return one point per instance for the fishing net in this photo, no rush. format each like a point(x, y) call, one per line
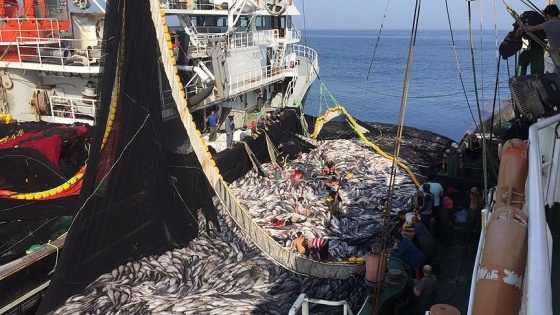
point(130, 204)
point(140, 195)
point(35, 158)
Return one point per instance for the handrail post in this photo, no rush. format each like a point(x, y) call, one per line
point(305, 307)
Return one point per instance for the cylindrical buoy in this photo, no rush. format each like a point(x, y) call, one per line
point(502, 266)
point(444, 309)
point(513, 173)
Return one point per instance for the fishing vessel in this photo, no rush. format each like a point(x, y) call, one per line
point(233, 57)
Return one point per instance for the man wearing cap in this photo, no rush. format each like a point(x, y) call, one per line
point(551, 27)
point(453, 160)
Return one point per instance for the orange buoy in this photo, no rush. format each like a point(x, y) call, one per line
point(444, 309)
point(501, 271)
point(512, 175)
point(500, 275)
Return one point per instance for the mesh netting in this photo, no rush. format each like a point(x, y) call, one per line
point(130, 205)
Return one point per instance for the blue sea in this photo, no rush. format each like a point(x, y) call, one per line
point(436, 101)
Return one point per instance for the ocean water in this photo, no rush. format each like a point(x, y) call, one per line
point(436, 101)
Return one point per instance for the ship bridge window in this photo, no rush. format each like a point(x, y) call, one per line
point(216, 24)
point(262, 23)
point(56, 9)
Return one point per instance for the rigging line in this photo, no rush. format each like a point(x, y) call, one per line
point(532, 6)
point(181, 197)
point(377, 41)
point(494, 107)
point(457, 62)
point(28, 235)
point(481, 52)
point(476, 95)
point(394, 167)
point(374, 53)
point(524, 27)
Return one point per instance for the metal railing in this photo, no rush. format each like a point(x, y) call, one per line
point(243, 39)
point(306, 52)
point(61, 52)
point(544, 158)
point(255, 78)
point(76, 108)
point(196, 5)
point(303, 301)
point(44, 28)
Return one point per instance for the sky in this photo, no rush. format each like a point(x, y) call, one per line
point(368, 14)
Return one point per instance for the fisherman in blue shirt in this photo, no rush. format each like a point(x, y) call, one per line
point(213, 123)
point(409, 253)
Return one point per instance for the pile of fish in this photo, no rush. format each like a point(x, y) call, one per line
point(216, 273)
point(225, 273)
point(365, 179)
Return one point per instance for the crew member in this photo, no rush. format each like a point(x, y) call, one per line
point(426, 290)
point(213, 123)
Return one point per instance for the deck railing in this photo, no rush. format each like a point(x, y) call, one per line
point(255, 78)
point(76, 108)
point(61, 52)
point(544, 159)
point(303, 301)
point(243, 39)
point(44, 28)
point(306, 52)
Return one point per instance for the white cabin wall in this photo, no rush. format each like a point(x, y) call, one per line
point(21, 93)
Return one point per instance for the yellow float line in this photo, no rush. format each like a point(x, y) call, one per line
point(182, 91)
point(364, 139)
point(51, 192)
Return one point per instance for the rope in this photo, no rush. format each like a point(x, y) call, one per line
point(484, 149)
point(31, 233)
point(56, 258)
point(271, 151)
point(388, 204)
point(250, 154)
point(523, 26)
point(304, 126)
point(377, 41)
point(457, 62)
